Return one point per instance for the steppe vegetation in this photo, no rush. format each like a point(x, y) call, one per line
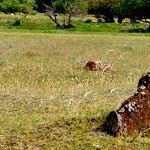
point(48, 101)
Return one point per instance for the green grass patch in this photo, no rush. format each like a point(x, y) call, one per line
point(41, 23)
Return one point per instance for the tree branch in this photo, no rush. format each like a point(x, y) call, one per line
point(50, 12)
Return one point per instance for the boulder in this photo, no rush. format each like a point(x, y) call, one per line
point(132, 117)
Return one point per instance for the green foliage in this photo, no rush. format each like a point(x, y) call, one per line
point(145, 8)
point(67, 8)
point(135, 9)
point(41, 23)
point(9, 6)
point(25, 6)
point(40, 5)
point(102, 9)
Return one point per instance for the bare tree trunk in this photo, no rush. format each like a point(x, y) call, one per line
point(68, 13)
point(50, 12)
point(69, 20)
point(54, 19)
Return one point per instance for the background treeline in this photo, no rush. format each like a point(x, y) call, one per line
point(103, 10)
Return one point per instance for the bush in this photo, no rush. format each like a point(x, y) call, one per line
point(8, 6)
point(88, 21)
point(13, 6)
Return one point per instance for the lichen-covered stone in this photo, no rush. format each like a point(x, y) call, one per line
point(95, 65)
point(132, 117)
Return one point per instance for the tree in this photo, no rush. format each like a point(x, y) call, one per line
point(40, 6)
point(128, 9)
point(67, 9)
point(133, 9)
point(102, 9)
point(13, 6)
point(8, 6)
point(145, 9)
point(25, 6)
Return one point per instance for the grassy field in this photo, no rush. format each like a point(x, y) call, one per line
point(49, 102)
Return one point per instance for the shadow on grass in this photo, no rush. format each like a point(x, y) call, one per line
point(65, 132)
point(137, 30)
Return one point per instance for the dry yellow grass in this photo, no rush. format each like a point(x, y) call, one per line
point(47, 99)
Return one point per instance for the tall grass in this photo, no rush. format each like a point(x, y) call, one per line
point(47, 99)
